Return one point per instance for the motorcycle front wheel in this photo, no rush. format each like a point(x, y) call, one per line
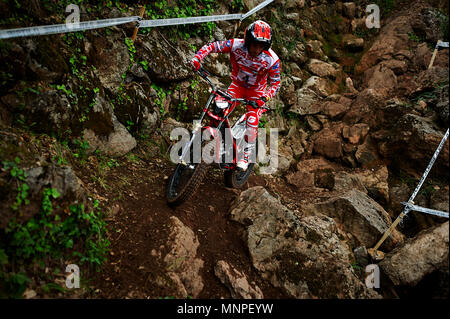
point(184, 182)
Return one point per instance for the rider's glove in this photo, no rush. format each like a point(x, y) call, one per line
point(195, 63)
point(262, 100)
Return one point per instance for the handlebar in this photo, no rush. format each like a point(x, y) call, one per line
point(204, 74)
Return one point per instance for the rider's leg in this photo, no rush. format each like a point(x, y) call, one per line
point(251, 135)
point(252, 120)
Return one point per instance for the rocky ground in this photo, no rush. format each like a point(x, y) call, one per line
point(360, 114)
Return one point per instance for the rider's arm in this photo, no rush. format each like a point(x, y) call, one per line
point(216, 47)
point(274, 79)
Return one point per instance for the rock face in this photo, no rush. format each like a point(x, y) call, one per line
point(321, 86)
point(62, 179)
point(381, 77)
point(343, 181)
point(413, 141)
point(360, 216)
point(335, 109)
point(356, 133)
point(308, 171)
point(321, 68)
point(51, 109)
point(418, 257)
point(375, 180)
point(306, 102)
point(298, 255)
point(440, 200)
point(236, 282)
point(349, 9)
point(182, 265)
point(428, 24)
point(385, 47)
point(163, 67)
point(112, 59)
point(328, 142)
point(112, 139)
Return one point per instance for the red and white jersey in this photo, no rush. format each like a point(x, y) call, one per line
point(247, 71)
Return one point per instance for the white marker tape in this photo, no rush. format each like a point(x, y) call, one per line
point(64, 28)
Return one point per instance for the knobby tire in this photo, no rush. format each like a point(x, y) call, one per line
point(191, 186)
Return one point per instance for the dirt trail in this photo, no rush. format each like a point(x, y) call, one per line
point(138, 231)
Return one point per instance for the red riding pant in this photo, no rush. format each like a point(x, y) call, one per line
point(252, 116)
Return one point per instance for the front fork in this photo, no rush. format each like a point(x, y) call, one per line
point(195, 130)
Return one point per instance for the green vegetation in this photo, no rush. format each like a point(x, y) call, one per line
point(82, 147)
point(443, 17)
point(237, 5)
point(59, 157)
point(51, 235)
point(131, 50)
point(181, 108)
point(22, 187)
point(357, 268)
point(184, 8)
point(162, 95)
point(262, 122)
point(144, 65)
point(364, 32)
point(386, 6)
point(414, 37)
point(46, 234)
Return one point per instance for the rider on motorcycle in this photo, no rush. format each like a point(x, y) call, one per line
point(253, 62)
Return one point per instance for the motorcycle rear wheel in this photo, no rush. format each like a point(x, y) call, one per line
point(235, 178)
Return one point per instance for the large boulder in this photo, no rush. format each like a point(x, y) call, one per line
point(311, 173)
point(344, 181)
point(349, 9)
point(321, 68)
point(162, 66)
point(380, 77)
point(359, 215)
point(365, 105)
point(328, 142)
point(182, 265)
point(366, 154)
point(322, 86)
point(63, 179)
point(412, 141)
point(276, 160)
point(51, 109)
point(442, 105)
point(111, 57)
point(334, 109)
point(298, 54)
point(105, 133)
point(427, 25)
point(306, 102)
point(418, 257)
point(38, 178)
point(296, 254)
point(236, 282)
point(440, 199)
point(397, 66)
point(375, 180)
point(355, 134)
point(392, 38)
point(353, 43)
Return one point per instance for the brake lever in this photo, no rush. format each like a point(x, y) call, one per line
point(201, 71)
